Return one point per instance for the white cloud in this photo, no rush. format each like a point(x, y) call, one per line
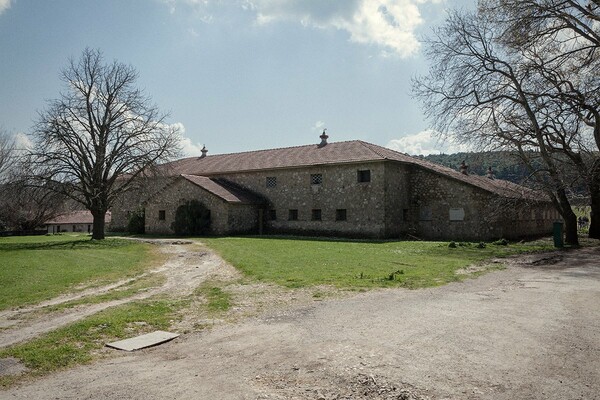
point(318, 126)
point(22, 141)
point(425, 143)
point(390, 24)
point(4, 5)
point(188, 147)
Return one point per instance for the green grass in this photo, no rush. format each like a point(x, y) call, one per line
point(294, 262)
point(37, 268)
point(217, 299)
point(80, 343)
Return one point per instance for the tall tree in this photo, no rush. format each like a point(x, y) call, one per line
point(480, 92)
point(564, 38)
point(100, 135)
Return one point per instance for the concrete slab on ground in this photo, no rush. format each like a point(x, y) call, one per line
point(143, 341)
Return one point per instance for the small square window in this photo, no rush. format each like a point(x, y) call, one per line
point(316, 214)
point(161, 215)
point(271, 181)
point(272, 215)
point(340, 214)
point(363, 175)
point(316, 179)
point(293, 215)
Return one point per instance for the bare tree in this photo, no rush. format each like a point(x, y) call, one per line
point(482, 93)
point(563, 38)
point(24, 207)
point(100, 135)
point(7, 155)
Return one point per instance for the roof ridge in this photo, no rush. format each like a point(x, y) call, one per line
point(266, 150)
point(370, 148)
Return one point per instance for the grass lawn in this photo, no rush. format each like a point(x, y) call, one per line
point(297, 262)
point(83, 341)
point(37, 268)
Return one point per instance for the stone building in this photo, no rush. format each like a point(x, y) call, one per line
point(347, 189)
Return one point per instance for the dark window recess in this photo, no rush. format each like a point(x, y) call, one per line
point(340, 214)
point(316, 179)
point(316, 214)
point(271, 181)
point(405, 214)
point(364, 175)
point(161, 215)
point(272, 215)
point(293, 215)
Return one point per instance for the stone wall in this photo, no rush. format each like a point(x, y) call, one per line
point(133, 200)
point(446, 209)
point(225, 218)
point(397, 195)
point(338, 190)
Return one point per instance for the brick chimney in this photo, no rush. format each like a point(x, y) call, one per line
point(323, 138)
point(490, 173)
point(464, 168)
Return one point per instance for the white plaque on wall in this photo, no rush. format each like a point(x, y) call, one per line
point(457, 214)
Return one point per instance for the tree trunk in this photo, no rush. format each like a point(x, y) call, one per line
point(98, 229)
point(571, 229)
point(569, 217)
point(594, 186)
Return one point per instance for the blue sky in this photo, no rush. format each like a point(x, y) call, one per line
point(236, 75)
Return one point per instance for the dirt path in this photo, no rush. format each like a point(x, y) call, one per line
point(188, 264)
point(531, 331)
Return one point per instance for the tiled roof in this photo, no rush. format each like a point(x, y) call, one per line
point(224, 190)
point(76, 217)
point(333, 153)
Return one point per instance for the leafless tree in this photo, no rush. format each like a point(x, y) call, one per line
point(564, 36)
point(7, 155)
point(100, 135)
point(23, 207)
point(483, 93)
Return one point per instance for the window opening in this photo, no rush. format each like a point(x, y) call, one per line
point(316, 214)
point(316, 179)
point(271, 181)
point(340, 214)
point(293, 215)
point(364, 175)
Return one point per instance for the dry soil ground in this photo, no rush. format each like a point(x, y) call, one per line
point(531, 331)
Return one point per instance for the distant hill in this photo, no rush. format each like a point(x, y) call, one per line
point(504, 164)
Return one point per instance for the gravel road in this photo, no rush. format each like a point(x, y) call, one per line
point(531, 331)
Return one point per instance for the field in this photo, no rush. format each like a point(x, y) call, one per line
point(299, 262)
point(37, 268)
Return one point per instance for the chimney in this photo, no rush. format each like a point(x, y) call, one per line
point(490, 173)
point(323, 138)
point(204, 151)
point(464, 168)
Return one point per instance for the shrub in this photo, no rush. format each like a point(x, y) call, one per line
point(191, 218)
point(452, 244)
point(481, 245)
point(501, 242)
point(137, 222)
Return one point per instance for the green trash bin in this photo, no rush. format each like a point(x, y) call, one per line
point(558, 234)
